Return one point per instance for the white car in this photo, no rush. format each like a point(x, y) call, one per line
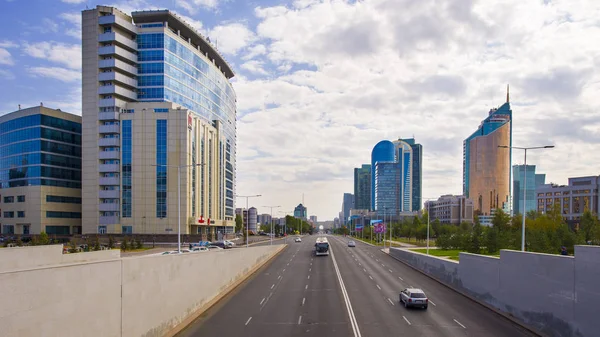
point(211, 247)
point(351, 243)
point(230, 244)
point(414, 297)
point(298, 240)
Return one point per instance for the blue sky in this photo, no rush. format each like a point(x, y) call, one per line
point(320, 82)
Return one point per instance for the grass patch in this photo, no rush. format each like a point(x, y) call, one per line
point(141, 249)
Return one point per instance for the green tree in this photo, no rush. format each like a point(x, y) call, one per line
point(96, 243)
point(139, 244)
point(111, 242)
point(476, 238)
point(73, 245)
point(124, 244)
point(43, 239)
point(491, 240)
point(239, 223)
point(588, 227)
point(435, 227)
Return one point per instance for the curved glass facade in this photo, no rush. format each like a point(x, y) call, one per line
point(382, 152)
point(170, 69)
point(40, 150)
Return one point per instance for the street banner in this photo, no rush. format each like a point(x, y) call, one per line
point(359, 227)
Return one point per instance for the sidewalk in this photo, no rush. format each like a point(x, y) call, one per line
point(402, 244)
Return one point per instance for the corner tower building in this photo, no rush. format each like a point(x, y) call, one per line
point(156, 101)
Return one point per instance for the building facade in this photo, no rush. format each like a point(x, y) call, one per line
point(253, 220)
point(416, 174)
point(300, 212)
point(313, 219)
point(264, 219)
point(347, 205)
point(362, 187)
point(450, 209)
point(159, 116)
point(525, 175)
point(40, 172)
point(486, 167)
point(382, 152)
point(579, 195)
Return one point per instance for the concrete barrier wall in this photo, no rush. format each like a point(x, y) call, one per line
point(72, 300)
point(137, 296)
point(16, 258)
point(160, 292)
point(100, 255)
point(556, 295)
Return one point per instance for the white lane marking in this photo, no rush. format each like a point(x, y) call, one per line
point(306, 287)
point(377, 260)
point(378, 287)
point(261, 302)
point(371, 277)
point(464, 327)
point(311, 258)
point(303, 299)
point(353, 322)
point(248, 321)
point(311, 263)
point(364, 270)
point(359, 264)
point(390, 270)
point(288, 264)
point(383, 265)
point(299, 320)
point(283, 270)
point(309, 277)
point(392, 303)
point(309, 269)
point(401, 279)
point(406, 320)
point(278, 277)
point(430, 301)
point(273, 286)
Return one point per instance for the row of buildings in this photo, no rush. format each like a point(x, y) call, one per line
point(253, 220)
point(158, 123)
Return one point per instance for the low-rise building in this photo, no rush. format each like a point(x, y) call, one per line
point(450, 209)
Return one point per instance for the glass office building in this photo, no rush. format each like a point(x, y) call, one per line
point(384, 151)
point(486, 167)
point(362, 187)
point(416, 173)
point(533, 181)
point(156, 73)
point(40, 172)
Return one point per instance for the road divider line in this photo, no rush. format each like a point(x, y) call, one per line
point(306, 287)
point(299, 319)
point(248, 321)
point(303, 300)
point(390, 270)
point(407, 321)
point(278, 277)
point(391, 302)
point(430, 301)
point(378, 287)
point(364, 270)
point(383, 265)
point(309, 269)
point(283, 270)
point(353, 322)
point(309, 277)
point(401, 279)
point(457, 322)
point(261, 302)
point(371, 277)
point(273, 286)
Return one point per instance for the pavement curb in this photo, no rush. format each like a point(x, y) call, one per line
point(184, 324)
point(472, 298)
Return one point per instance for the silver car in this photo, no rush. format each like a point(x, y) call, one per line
point(351, 243)
point(414, 297)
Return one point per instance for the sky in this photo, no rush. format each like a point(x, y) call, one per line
point(319, 83)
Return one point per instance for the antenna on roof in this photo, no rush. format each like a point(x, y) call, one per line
point(507, 94)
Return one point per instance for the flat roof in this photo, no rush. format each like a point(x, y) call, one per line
point(175, 22)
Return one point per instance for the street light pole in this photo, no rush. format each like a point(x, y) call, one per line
point(247, 213)
point(525, 183)
point(271, 207)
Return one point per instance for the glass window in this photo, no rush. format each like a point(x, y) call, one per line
point(63, 199)
point(20, 198)
point(151, 80)
point(151, 40)
point(161, 110)
point(8, 229)
point(59, 230)
point(126, 144)
point(161, 171)
point(8, 200)
point(151, 93)
point(63, 215)
point(9, 214)
point(127, 229)
point(20, 214)
point(101, 229)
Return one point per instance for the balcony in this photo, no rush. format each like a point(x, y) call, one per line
point(112, 194)
point(109, 142)
point(119, 78)
point(110, 102)
point(105, 207)
point(109, 181)
point(118, 52)
point(118, 38)
point(109, 155)
point(118, 64)
point(109, 128)
point(109, 168)
point(109, 220)
point(108, 116)
point(117, 90)
point(118, 21)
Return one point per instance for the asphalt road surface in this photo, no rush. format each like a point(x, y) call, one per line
point(351, 292)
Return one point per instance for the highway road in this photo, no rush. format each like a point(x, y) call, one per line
point(351, 292)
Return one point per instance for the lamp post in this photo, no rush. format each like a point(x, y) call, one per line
point(179, 167)
point(247, 212)
point(271, 207)
point(525, 182)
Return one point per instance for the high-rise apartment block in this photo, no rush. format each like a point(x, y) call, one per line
point(533, 180)
point(362, 187)
point(40, 172)
point(159, 123)
point(450, 209)
point(347, 205)
point(486, 166)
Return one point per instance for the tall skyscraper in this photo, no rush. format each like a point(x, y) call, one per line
point(40, 172)
point(533, 181)
point(300, 212)
point(401, 163)
point(347, 205)
point(362, 187)
point(156, 101)
point(486, 167)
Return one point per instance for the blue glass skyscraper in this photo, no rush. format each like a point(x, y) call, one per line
point(382, 152)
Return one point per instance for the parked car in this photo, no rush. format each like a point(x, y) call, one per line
point(414, 297)
point(221, 244)
point(212, 247)
point(351, 243)
point(298, 239)
point(230, 244)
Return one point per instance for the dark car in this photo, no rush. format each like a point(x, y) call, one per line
point(220, 244)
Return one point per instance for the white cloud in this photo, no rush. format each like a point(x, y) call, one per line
point(6, 57)
point(6, 75)
point(8, 44)
point(231, 38)
point(65, 54)
point(74, 1)
point(359, 72)
point(75, 20)
point(192, 6)
point(255, 67)
point(61, 74)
